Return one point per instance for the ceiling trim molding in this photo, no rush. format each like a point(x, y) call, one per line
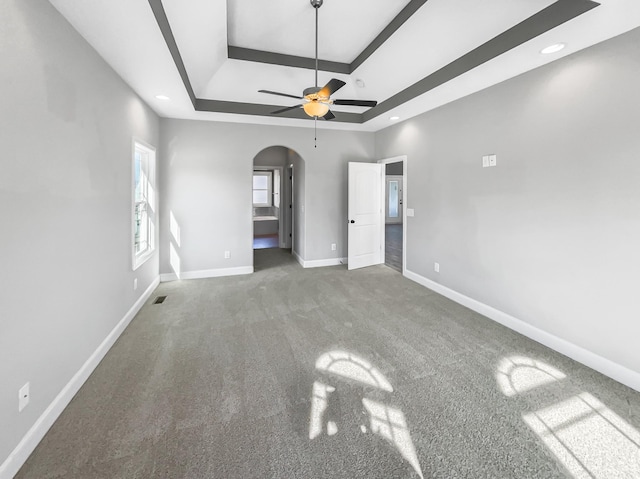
point(550, 17)
point(412, 7)
point(261, 56)
point(220, 106)
point(167, 33)
point(554, 15)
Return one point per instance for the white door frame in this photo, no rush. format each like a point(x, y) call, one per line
point(397, 159)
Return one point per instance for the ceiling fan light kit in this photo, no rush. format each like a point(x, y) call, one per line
point(316, 108)
point(316, 101)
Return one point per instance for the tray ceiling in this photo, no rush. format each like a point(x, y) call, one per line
point(212, 57)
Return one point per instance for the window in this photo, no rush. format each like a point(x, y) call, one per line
point(262, 182)
point(144, 205)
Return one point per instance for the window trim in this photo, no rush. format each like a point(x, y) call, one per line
point(269, 174)
point(138, 259)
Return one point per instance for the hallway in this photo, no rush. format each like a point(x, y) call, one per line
point(393, 246)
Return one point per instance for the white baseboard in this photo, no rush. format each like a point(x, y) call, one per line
point(32, 438)
point(297, 257)
point(607, 367)
point(206, 273)
point(319, 263)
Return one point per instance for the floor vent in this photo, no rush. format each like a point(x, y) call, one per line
point(160, 300)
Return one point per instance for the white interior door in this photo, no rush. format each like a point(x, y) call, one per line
point(365, 214)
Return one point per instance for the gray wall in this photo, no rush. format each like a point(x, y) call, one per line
point(206, 174)
point(272, 156)
point(66, 127)
point(551, 235)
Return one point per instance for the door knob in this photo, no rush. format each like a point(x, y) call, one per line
point(352, 221)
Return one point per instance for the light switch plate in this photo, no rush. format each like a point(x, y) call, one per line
point(493, 160)
point(485, 161)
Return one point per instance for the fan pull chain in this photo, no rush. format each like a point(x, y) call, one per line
point(315, 131)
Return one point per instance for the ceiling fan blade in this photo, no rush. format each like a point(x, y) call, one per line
point(285, 109)
point(355, 103)
point(329, 116)
point(280, 94)
point(330, 88)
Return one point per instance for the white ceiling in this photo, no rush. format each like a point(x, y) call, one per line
point(126, 34)
point(346, 27)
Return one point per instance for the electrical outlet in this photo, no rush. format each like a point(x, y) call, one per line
point(436, 267)
point(333, 247)
point(23, 397)
point(135, 283)
point(227, 254)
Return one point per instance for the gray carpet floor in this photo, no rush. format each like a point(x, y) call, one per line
point(326, 373)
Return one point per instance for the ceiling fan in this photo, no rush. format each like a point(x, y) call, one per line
point(316, 100)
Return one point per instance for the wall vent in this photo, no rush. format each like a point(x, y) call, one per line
point(160, 300)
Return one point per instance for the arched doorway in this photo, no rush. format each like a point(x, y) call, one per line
point(278, 199)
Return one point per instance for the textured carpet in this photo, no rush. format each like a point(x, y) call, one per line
point(326, 373)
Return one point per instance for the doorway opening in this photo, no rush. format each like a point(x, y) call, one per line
point(268, 216)
point(394, 212)
point(276, 188)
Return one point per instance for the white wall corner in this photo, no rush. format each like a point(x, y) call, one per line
point(32, 438)
point(616, 371)
point(207, 273)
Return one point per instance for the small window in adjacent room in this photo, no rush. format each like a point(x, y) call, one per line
point(144, 202)
point(262, 188)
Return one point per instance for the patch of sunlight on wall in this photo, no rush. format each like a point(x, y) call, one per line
point(588, 438)
point(174, 260)
point(390, 423)
point(519, 374)
point(174, 228)
point(355, 368)
point(152, 233)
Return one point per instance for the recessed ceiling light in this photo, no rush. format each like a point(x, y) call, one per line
point(394, 118)
point(162, 97)
point(553, 48)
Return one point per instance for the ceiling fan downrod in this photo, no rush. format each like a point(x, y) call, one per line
point(316, 4)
